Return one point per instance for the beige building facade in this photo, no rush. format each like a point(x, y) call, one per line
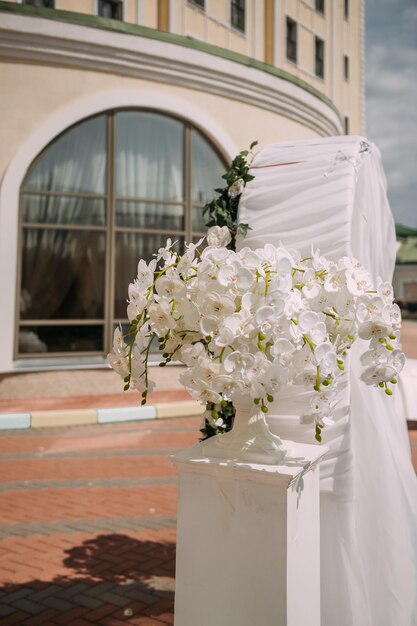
point(118, 118)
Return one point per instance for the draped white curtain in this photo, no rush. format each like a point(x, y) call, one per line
point(330, 193)
point(149, 165)
point(149, 156)
point(75, 162)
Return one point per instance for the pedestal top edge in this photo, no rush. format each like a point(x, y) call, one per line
point(303, 458)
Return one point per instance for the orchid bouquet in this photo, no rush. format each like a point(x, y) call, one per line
point(252, 321)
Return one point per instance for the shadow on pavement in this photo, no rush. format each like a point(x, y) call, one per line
point(110, 577)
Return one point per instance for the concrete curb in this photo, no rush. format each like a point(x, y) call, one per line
point(78, 417)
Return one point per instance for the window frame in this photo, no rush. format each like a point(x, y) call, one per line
point(110, 229)
point(199, 4)
point(236, 9)
point(319, 59)
point(291, 27)
point(116, 3)
point(28, 3)
point(346, 68)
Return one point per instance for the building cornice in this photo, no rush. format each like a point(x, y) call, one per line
point(87, 42)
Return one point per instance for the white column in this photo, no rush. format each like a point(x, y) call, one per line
point(248, 550)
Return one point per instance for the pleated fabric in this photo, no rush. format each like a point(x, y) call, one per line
point(330, 193)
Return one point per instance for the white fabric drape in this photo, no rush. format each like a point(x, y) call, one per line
point(330, 193)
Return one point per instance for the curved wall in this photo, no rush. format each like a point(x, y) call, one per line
point(55, 74)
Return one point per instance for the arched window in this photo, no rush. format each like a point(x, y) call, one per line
point(104, 194)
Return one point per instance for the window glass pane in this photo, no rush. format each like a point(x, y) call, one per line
point(320, 6)
point(48, 4)
point(199, 220)
point(291, 40)
point(149, 215)
point(112, 9)
point(319, 57)
point(62, 274)
point(44, 209)
point(149, 156)
point(206, 169)
point(130, 248)
point(49, 339)
point(237, 18)
point(76, 161)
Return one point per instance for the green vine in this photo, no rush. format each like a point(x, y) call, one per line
point(223, 210)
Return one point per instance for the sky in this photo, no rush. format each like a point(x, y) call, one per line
point(391, 98)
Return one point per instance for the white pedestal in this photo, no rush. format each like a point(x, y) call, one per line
point(248, 550)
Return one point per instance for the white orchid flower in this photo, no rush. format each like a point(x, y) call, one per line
point(216, 255)
point(293, 304)
point(391, 314)
point(119, 364)
point(217, 305)
point(143, 337)
point(119, 346)
point(190, 354)
point(234, 275)
point(378, 356)
point(375, 375)
point(374, 330)
point(368, 308)
point(170, 286)
point(335, 281)
point(386, 291)
point(397, 360)
point(161, 318)
point(250, 258)
point(237, 361)
point(358, 281)
point(253, 321)
point(325, 357)
point(311, 285)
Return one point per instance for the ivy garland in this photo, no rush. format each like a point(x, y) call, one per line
point(223, 211)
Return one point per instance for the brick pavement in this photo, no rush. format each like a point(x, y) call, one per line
point(87, 523)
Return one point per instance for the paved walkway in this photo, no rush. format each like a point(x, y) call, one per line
point(87, 524)
point(83, 389)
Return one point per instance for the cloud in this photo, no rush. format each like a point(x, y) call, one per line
point(391, 98)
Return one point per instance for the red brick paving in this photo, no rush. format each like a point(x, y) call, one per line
point(152, 435)
point(92, 468)
point(58, 565)
point(53, 574)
